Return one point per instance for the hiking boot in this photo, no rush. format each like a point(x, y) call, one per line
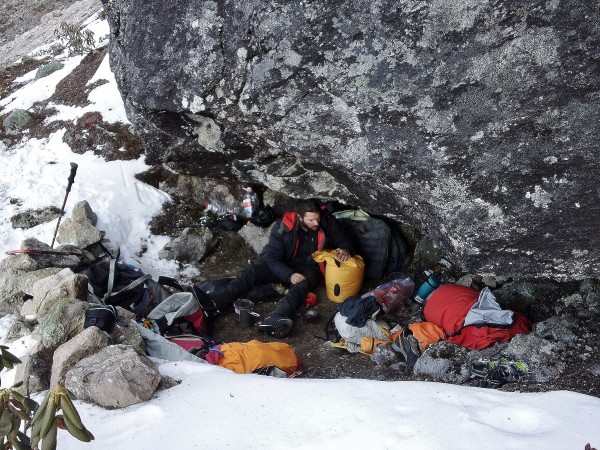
point(512, 371)
point(207, 303)
point(276, 325)
point(481, 367)
point(407, 345)
point(503, 370)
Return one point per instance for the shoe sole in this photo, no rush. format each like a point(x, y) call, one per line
point(278, 329)
point(397, 346)
point(414, 345)
point(408, 347)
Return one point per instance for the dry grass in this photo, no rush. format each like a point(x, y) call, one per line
point(8, 75)
point(73, 90)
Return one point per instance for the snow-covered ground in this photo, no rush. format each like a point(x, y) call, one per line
point(213, 408)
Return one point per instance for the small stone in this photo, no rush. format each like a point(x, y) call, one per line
point(49, 68)
point(465, 280)
point(489, 281)
point(16, 120)
point(311, 315)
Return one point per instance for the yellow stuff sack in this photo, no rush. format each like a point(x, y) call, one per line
point(342, 279)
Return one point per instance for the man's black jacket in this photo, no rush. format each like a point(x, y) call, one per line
point(283, 242)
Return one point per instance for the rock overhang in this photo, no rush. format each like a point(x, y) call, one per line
point(474, 123)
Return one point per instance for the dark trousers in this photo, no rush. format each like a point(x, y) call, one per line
point(259, 274)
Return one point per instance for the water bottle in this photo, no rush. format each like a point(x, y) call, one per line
point(429, 285)
point(218, 209)
point(250, 202)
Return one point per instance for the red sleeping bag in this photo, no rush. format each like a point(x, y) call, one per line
point(447, 308)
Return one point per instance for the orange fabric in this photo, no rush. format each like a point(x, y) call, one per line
point(368, 344)
point(426, 333)
point(247, 357)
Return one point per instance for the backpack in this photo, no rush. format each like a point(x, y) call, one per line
point(101, 316)
point(231, 222)
point(263, 216)
point(382, 249)
point(396, 253)
point(117, 283)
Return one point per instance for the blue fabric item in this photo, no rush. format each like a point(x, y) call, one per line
point(358, 310)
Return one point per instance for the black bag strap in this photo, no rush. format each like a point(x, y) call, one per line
point(111, 281)
point(110, 308)
point(131, 285)
point(111, 277)
point(171, 282)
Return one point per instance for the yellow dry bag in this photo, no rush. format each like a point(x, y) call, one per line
point(342, 279)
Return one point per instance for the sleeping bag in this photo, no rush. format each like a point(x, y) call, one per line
point(450, 304)
point(250, 356)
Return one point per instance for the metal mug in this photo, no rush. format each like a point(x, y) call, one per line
point(244, 313)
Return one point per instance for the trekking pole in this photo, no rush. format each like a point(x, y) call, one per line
point(62, 211)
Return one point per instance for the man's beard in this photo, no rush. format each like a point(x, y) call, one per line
point(307, 228)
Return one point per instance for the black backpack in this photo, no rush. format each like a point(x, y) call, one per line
point(263, 216)
point(101, 316)
point(117, 283)
point(231, 222)
point(382, 249)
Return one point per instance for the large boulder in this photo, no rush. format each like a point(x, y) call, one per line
point(474, 122)
point(205, 190)
point(65, 284)
point(20, 271)
point(125, 332)
point(13, 280)
point(443, 361)
point(33, 217)
point(62, 322)
point(34, 371)
point(546, 357)
point(114, 377)
point(560, 329)
point(82, 211)
point(12, 303)
point(16, 121)
point(86, 343)
point(48, 69)
point(80, 229)
point(18, 330)
point(190, 247)
point(256, 237)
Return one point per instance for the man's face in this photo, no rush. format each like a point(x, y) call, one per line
point(310, 221)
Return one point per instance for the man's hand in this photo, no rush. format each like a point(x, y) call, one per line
point(343, 254)
point(297, 278)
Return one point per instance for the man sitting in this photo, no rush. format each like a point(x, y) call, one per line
point(286, 259)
